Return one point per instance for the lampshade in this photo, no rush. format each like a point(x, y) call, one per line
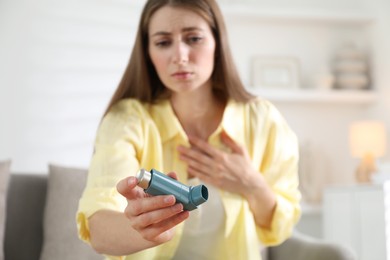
point(367, 137)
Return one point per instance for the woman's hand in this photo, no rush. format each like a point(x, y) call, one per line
point(153, 217)
point(233, 171)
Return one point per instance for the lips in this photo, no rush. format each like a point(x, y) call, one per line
point(182, 75)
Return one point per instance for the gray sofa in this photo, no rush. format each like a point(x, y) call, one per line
point(40, 222)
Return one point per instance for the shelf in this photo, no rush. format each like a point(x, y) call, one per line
point(318, 96)
point(240, 11)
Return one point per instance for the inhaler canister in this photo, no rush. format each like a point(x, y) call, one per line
point(157, 183)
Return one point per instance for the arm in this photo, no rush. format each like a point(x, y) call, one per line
point(261, 200)
point(146, 222)
point(110, 232)
point(115, 215)
point(268, 180)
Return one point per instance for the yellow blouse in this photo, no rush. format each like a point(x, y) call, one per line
point(135, 135)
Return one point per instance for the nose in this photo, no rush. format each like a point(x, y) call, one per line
point(180, 53)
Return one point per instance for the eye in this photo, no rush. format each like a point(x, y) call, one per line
point(194, 39)
point(163, 43)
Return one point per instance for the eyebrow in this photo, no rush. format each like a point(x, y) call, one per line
point(186, 29)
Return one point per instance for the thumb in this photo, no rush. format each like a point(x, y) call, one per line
point(127, 187)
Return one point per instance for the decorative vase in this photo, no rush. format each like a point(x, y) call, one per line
point(350, 68)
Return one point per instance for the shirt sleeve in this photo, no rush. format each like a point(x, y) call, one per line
point(280, 169)
point(118, 148)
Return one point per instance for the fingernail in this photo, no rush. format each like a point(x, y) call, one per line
point(131, 181)
point(178, 207)
point(169, 199)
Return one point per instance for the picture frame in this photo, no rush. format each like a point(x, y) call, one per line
point(275, 72)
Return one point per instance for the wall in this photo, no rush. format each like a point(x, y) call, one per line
point(61, 61)
point(321, 127)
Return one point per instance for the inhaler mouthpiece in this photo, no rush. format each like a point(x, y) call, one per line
point(157, 183)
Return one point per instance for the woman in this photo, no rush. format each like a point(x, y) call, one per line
point(181, 108)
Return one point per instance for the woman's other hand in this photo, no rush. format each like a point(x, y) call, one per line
point(232, 171)
point(153, 217)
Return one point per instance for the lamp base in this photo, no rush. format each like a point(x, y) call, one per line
point(366, 169)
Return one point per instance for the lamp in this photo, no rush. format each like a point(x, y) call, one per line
point(367, 141)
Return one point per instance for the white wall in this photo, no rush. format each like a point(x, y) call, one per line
point(322, 127)
point(61, 61)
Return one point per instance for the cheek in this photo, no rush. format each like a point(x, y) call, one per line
point(158, 61)
point(207, 59)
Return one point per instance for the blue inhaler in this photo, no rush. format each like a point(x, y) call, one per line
point(157, 183)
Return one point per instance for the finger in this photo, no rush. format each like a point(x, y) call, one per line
point(128, 188)
point(217, 179)
point(194, 154)
point(202, 167)
point(203, 146)
point(173, 175)
point(236, 148)
point(148, 204)
point(158, 229)
point(203, 177)
point(156, 216)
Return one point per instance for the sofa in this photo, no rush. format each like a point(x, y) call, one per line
point(38, 214)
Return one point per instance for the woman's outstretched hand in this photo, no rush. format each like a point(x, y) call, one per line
point(232, 171)
point(153, 217)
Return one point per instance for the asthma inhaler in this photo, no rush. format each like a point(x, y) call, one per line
point(157, 183)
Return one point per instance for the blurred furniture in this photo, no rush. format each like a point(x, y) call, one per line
point(303, 247)
point(367, 141)
point(40, 223)
point(41, 216)
point(355, 216)
point(311, 220)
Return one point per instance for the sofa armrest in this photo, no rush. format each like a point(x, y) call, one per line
point(303, 247)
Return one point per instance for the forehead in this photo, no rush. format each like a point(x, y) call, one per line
point(169, 19)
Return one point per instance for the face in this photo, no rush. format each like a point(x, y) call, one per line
point(181, 47)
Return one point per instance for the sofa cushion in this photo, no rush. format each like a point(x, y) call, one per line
point(4, 176)
point(25, 203)
point(304, 247)
point(65, 186)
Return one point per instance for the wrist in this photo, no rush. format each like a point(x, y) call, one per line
point(262, 201)
point(254, 185)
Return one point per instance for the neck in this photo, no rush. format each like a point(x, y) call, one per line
point(199, 113)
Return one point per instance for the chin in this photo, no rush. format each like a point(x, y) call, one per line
point(184, 88)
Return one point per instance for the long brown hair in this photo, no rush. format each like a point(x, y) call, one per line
point(140, 79)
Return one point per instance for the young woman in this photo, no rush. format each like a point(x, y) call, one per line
point(182, 109)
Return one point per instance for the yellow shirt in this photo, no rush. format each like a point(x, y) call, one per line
point(135, 135)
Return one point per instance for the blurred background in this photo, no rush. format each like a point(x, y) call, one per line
point(324, 64)
point(62, 60)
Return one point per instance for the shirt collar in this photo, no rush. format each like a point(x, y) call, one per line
point(169, 126)
point(232, 122)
